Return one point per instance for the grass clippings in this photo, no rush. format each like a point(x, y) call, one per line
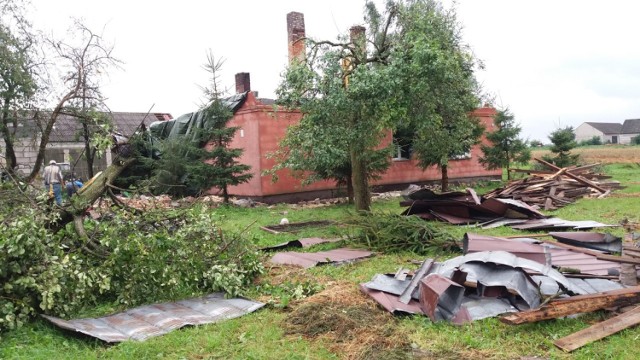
point(351, 325)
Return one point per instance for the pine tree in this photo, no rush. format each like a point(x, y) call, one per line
point(506, 146)
point(563, 140)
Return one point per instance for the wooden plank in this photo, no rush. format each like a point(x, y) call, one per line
point(574, 177)
point(575, 305)
point(599, 331)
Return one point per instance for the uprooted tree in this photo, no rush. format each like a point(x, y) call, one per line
point(410, 71)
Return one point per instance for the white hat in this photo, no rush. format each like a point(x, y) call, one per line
point(52, 162)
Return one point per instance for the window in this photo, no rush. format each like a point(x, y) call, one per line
point(403, 146)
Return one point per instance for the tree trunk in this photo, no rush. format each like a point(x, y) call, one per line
point(89, 155)
point(444, 183)
point(362, 194)
point(10, 155)
point(349, 190)
point(91, 192)
point(225, 194)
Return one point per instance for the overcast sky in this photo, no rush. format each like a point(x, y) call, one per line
point(553, 63)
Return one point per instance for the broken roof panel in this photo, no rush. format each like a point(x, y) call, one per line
point(475, 243)
point(307, 260)
point(591, 240)
point(144, 322)
point(391, 302)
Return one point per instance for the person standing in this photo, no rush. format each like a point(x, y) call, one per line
point(53, 180)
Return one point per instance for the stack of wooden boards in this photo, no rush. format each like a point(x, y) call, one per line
point(557, 187)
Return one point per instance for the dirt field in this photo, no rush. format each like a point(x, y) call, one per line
point(605, 154)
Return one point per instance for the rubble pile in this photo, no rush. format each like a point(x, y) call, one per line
point(558, 187)
point(522, 280)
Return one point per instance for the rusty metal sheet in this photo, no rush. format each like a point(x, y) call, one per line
point(300, 243)
point(307, 260)
point(407, 294)
point(587, 264)
point(144, 322)
point(476, 243)
point(453, 219)
point(523, 208)
point(591, 240)
point(391, 302)
point(440, 297)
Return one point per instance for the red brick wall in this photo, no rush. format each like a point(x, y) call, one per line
point(262, 129)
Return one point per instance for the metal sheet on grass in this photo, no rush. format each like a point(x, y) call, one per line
point(307, 260)
point(148, 321)
point(391, 302)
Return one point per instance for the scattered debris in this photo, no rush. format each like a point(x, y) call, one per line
point(148, 321)
point(301, 243)
point(554, 189)
point(295, 227)
point(307, 260)
point(465, 208)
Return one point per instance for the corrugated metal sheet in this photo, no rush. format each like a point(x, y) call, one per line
point(391, 302)
point(475, 243)
point(440, 297)
point(476, 308)
point(307, 260)
point(505, 258)
point(144, 322)
point(591, 240)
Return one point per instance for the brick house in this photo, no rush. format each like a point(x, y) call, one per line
point(261, 129)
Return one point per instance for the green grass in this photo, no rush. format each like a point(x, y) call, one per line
point(261, 335)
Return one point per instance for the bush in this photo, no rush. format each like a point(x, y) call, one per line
point(635, 140)
point(137, 259)
point(596, 140)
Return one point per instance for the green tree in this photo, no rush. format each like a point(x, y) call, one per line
point(224, 169)
point(18, 73)
point(437, 85)
point(635, 140)
point(199, 156)
point(535, 143)
point(563, 141)
point(506, 146)
point(341, 91)
point(413, 74)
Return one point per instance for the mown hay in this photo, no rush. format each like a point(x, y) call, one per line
point(352, 325)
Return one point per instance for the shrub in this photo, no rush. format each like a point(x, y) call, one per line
point(635, 140)
point(595, 140)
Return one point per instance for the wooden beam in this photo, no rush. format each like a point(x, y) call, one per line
point(575, 305)
point(599, 331)
point(574, 177)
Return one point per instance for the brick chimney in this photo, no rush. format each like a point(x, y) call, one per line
point(295, 32)
point(243, 82)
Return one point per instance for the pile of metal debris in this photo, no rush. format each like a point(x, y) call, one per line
point(464, 208)
point(526, 278)
point(557, 187)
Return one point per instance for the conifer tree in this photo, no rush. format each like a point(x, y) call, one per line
point(506, 146)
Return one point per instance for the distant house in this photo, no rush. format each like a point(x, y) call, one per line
point(65, 142)
point(630, 129)
point(607, 132)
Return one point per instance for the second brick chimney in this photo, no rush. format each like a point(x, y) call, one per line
point(243, 82)
point(295, 34)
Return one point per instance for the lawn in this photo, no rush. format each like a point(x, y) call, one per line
point(336, 320)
